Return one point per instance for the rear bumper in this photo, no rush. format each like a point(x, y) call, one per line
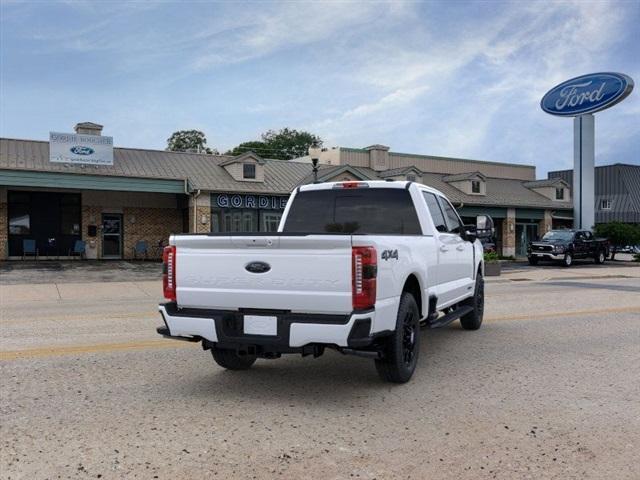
point(294, 330)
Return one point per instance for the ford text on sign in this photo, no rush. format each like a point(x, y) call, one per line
point(85, 149)
point(587, 94)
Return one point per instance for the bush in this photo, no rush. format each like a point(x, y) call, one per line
point(619, 234)
point(491, 257)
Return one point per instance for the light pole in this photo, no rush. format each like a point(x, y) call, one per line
point(314, 153)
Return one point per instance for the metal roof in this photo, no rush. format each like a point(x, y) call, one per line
point(399, 171)
point(499, 191)
point(201, 170)
point(547, 182)
point(464, 176)
point(205, 172)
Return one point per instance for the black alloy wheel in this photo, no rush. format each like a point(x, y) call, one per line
point(402, 349)
point(473, 319)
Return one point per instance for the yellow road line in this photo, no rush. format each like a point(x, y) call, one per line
point(564, 314)
point(101, 316)
point(114, 347)
point(81, 349)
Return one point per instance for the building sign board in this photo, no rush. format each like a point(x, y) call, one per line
point(267, 202)
point(80, 149)
point(587, 94)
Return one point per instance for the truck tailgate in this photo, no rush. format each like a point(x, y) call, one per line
point(309, 273)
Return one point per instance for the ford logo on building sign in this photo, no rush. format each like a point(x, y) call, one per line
point(587, 94)
point(257, 267)
point(79, 150)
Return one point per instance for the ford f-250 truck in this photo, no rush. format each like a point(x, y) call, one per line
point(355, 266)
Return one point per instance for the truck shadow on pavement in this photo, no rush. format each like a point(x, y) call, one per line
point(332, 376)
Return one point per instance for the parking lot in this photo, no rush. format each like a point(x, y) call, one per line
point(549, 387)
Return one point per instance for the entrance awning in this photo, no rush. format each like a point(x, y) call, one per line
point(28, 178)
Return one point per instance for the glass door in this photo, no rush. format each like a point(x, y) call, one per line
point(525, 233)
point(111, 235)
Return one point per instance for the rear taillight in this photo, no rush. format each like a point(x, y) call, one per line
point(364, 266)
point(169, 272)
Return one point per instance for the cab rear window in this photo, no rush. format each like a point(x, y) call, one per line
point(382, 211)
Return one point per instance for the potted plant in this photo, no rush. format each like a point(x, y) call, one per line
point(491, 264)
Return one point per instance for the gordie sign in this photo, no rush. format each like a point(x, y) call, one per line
point(587, 94)
point(270, 202)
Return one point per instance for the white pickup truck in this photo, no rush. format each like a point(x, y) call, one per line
point(355, 266)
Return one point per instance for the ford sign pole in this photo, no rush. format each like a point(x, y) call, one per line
point(580, 97)
point(584, 171)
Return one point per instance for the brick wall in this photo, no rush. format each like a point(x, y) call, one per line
point(201, 213)
point(509, 233)
point(92, 216)
point(545, 224)
point(4, 227)
point(151, 225)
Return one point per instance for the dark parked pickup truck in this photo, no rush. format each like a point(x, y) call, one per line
point(566, 245)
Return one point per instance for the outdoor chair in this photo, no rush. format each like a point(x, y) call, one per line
point(79, 248)
point(141, 248)
point(29, 248)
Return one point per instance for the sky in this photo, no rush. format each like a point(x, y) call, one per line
point(446, 78)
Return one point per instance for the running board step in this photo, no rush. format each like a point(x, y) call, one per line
point(447, 318)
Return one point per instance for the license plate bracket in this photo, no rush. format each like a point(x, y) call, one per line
point(260, 325)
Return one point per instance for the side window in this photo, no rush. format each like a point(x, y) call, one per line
point(435, 211)
point(579, 236)
point(453, 221)
point(588, 236)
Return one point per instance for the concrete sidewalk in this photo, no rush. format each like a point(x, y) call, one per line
point(48, 272)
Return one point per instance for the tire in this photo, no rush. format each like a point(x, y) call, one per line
point(600, 257)
point(532, 260)
point(230, 359)
point(473, 319)
point(402, 349)
point(568, 260)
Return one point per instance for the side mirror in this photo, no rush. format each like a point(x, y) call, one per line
point(484, 226)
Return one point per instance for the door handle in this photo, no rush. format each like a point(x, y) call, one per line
point(460, 248)
point(443, 249)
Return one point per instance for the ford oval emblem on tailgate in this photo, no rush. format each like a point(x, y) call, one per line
point(257, 267)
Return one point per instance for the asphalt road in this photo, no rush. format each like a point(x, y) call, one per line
point(549, 387)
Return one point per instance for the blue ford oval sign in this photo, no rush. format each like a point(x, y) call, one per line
point(587, 94)
point(79, 150)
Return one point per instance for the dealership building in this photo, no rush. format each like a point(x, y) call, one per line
point(114, 199)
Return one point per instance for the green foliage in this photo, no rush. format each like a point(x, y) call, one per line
point(619, 234)
point(491, 257)
point(188, 141)
point(259, 148)
point(284, 144)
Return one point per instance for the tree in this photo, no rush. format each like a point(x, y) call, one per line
point(619, 234)
point(188, 141)
point(257, 147)
point(284, 144)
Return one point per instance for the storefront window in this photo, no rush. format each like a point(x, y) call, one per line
point(270, 221)
point(246, 213)
point(52, 219)
point(19, 221)
point(19, 218)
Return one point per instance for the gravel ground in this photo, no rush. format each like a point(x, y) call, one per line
point(548, 388)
